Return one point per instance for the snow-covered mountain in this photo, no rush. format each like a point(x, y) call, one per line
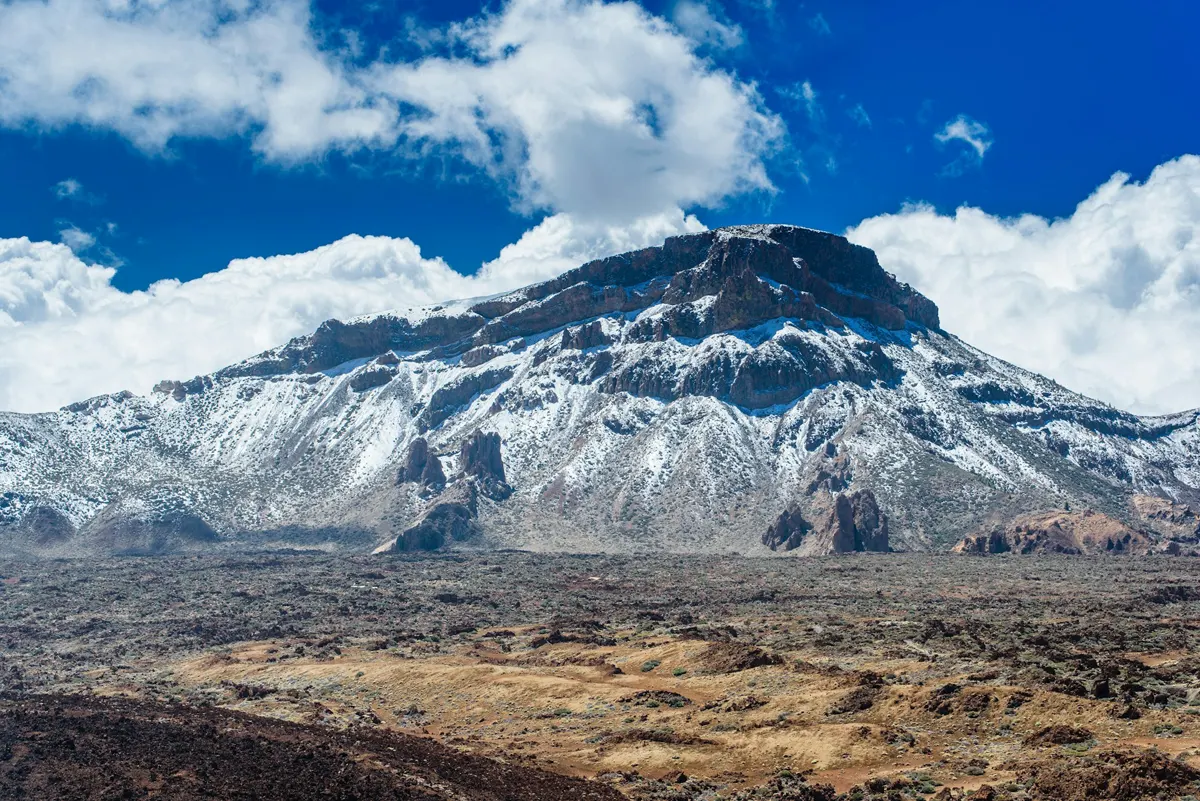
point(750, 389)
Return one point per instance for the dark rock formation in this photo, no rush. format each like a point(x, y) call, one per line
point(335, 342)
point(857, 524)
point(445, 521)
point(481, 355)
point(776, 372)
point(585, 336)
point(852, 523)
point(480, 458)
point(787, 532)
point(834, 473)
point(421, 466)
point(173, 388)
point(451, 518)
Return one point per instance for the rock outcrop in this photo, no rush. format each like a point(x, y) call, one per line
point(1064, 532)
point(1176, 521)
point(857, 524)
point(372, 378)
point(450, 398)
point(480, 458)
point(421, 466)
point(848, 523)
point(452, 517)
point(787, 532)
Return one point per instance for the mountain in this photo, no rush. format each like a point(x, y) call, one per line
point(754, 389)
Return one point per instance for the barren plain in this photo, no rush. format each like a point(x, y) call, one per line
point(515, 675)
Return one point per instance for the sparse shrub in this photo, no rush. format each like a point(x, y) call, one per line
point(649, 665)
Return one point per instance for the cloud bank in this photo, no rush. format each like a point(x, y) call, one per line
point(1106, 301)
point(596, 109)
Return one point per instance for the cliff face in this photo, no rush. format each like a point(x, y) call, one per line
point(755, 389)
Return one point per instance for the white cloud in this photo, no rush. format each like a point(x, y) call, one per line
point(707, 25)
point(597, 109)
point(561, 242)
point(965, 129)
point(67, 188)
point(70, 334)
point(154, 71)
point(76, 238)
point(819, 24)
point(1106, 301)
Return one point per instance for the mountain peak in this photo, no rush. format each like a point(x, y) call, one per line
point(759, 389)
point(764, 271)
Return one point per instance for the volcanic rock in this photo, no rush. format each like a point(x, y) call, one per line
point(480, 458)
point(1071, 533)
point(787, 532)
point(421, 466)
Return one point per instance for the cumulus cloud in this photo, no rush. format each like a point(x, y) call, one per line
point(1106, 301)
point(591, 108)
point(70, 334)
point(599, 110)
point(155, 71)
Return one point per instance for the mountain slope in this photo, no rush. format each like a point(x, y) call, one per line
point(746, 389)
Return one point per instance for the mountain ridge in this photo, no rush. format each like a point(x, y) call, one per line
point(754, 389)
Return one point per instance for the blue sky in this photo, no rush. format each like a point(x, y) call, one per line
point(1070, 93)
point(1026, 164)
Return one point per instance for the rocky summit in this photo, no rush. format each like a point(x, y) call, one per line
point(760, 389)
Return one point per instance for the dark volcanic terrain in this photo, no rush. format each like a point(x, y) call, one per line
point(511, 675)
